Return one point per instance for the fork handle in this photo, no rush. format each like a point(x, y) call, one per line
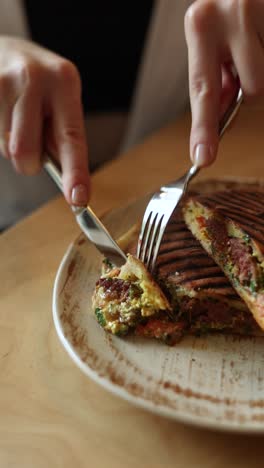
point(223, 124)
point(230, 112)
point(225, 121)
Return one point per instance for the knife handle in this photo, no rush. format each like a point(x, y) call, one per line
point(88, 221)
point(54, 171)
point(52, 168)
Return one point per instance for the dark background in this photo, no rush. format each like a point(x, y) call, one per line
point(103, 38)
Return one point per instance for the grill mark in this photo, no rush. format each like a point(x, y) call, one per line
point(222, 202)
point(195, 253)
point(184, 245)
point(250, 218)
point(215, 282)
point(204, 286)
point(181, 265)
point(242, 197)
point(256, 204)
point(190, 275)
point(174, 235)
point(252, 194)
point(227, 292)
point(236, 214)
point(177, 232)
point(217, 204)
point(205, 263)
point(171, 227)
point(231, 211)
point(231, 294)
point(218, 285)
point(251, 222)
point(177, 219)
point(176, 215)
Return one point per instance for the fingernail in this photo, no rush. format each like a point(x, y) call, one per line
point(202, 155)
point(79, 195)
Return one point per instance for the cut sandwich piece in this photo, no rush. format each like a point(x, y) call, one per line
point(230, 227)
point(198, 290)
point(128, 300)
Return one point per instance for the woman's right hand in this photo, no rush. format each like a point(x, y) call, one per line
point(40, 108)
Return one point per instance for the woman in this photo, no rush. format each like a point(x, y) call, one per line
point(40, 91)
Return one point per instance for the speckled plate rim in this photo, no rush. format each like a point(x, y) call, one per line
point(179, 416)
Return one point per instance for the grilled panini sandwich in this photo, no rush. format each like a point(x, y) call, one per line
point(200, 294)
point(230, 227)
point(189, 292)
point(197, 298)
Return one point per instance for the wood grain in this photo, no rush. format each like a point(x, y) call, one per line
point(52, 415)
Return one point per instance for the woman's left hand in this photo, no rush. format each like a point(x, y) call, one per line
point(221, 35)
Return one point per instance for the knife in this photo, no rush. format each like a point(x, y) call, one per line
point(90, 225)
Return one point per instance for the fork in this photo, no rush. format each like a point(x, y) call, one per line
point(165, 201)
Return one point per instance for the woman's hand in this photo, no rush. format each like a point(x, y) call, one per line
point(221, 35)
point(40, 108)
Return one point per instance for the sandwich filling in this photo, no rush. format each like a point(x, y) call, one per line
point(234, 240)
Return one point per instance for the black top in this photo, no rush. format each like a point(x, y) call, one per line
point(103, 38)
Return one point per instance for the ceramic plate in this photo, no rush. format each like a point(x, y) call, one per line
point(214, 381)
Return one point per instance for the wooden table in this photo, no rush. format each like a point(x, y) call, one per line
point(51, 414)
